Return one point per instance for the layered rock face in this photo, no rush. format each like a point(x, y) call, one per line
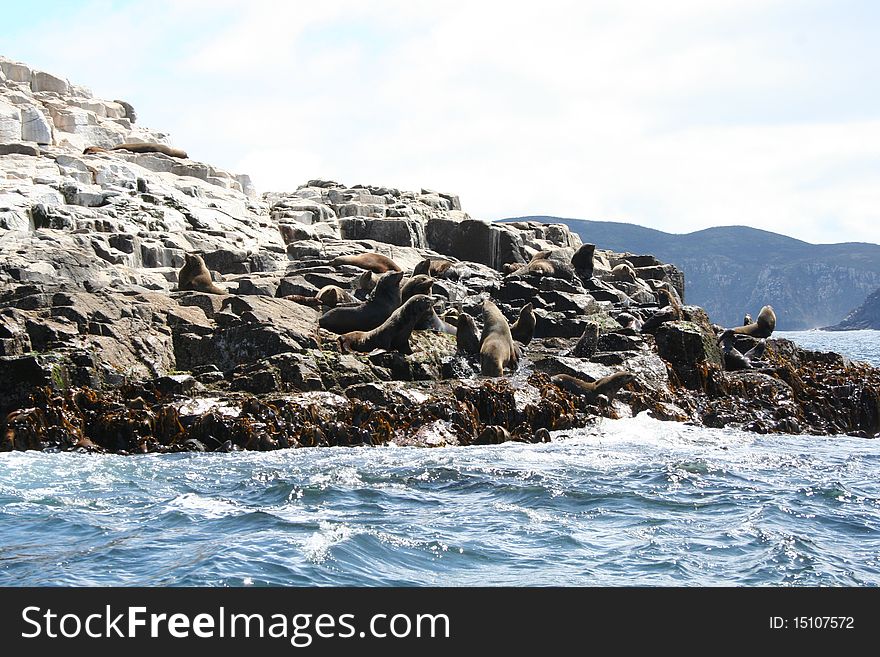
point(100, 350)
point(866, 316)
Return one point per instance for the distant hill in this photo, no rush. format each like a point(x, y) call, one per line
point(866, 316)
point(732, 270)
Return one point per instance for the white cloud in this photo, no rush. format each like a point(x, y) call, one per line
point(677, 115)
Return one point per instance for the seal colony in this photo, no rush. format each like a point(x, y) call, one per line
point(116, 340)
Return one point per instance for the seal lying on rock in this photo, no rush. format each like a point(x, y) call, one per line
point(194, 275)
point(333, 295)
point(436, 267)
point(139, 147)
point(607, 386)
point(523, 330)
point(544, 266)
point(393, 333)
point(375, 262)
point(497, 349)
point(624, 273)
point(669, 311)
point(371, 313)
point(734, 359)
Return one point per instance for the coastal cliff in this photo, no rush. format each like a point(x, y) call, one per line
point(101, 351)
point(730, 269)
point(866, 316)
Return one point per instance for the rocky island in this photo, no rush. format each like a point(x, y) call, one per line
point(104, 346)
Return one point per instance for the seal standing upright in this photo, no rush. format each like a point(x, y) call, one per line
point(497, 349)
point(523, 330)
point(466, 339)
point(194, 275)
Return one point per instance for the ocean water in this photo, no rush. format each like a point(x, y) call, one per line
point(629, 502)
point(858, 345)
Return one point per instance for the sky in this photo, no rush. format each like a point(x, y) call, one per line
point(677, 115)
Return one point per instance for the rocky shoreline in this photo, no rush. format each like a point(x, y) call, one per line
point(99, 350)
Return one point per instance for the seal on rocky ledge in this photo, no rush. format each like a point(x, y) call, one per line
point(607, 386)
point(762, 327)
point(542, 265)
point(375, 262)
point(466, 335)
point(523, 329)
point(432, 267)
point(497, 349)
point(393, 333)
point(333, 295)
point(371, 313)
point(139, 147)
point(194, 275)
point(417, 284)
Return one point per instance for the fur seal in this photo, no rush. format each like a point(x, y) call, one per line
point(523, 330)
point(669, 311)
point(544, 266)
point(624, 273)
point(393, 333)
point(194, 275)
point(139, 147)
point(588, 343)
point(417, 284)
point(374, 262)
point(497, 349)
point(493, 434)
point(582, 260)
point(435, 267)
point(333, 295)
point(367, 281)
point(747, 320)
point(466, 336)
point(762, 327)
point(607, 386)
point(628, 320)
point(369, 314)
point(734, 359)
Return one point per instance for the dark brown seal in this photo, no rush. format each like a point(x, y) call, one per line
point(139, 147)
point(497, 349)
point(435, 267)
point(371, 313)
point(523, 329)
point(466, 336)
point(194, 275)
point(417, 284)
point(394, 332)
point(582, 260)
point(669, 311)
point(607, 386)
point(493, 434)
point(375, 262)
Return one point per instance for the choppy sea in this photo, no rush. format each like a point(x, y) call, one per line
point(629, 502)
